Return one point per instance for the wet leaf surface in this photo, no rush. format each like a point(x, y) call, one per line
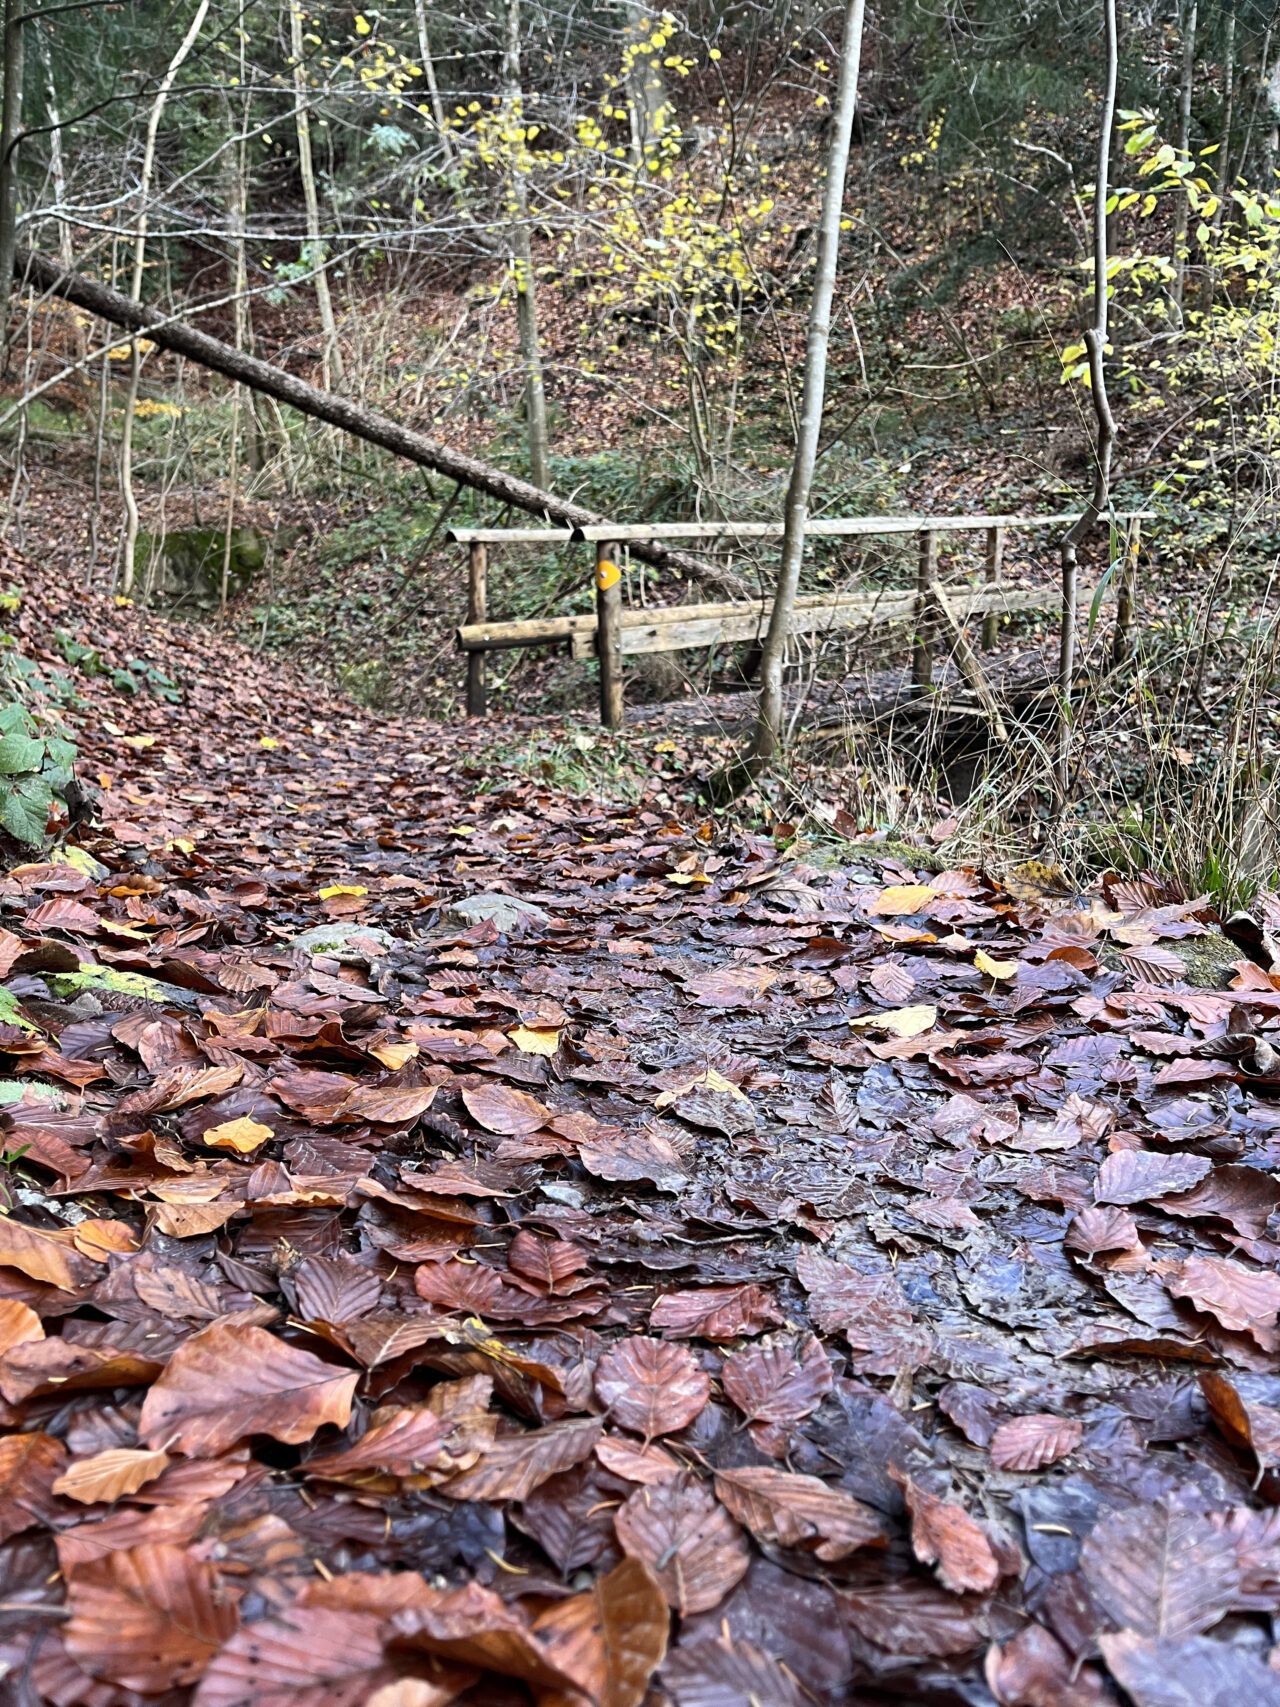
point(733, 1289)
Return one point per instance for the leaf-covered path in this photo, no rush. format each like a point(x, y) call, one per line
point(521, 1247)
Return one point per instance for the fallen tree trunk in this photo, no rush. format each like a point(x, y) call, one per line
point(212, 353)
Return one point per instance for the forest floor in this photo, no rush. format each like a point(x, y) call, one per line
point(473, 1240)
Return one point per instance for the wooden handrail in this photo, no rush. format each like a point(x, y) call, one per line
point(820, 527)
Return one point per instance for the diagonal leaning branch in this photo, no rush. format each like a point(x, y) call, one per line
point(340, 412)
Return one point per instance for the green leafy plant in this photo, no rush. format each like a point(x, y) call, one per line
point(35, 771)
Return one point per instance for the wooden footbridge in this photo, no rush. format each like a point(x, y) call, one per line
point(940, 615)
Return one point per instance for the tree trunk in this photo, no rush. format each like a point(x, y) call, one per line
point(1095, 340)
point(340, 412)
point(646, 90)
point(127, 565)
point(429, 73)
point(1228, 112)
point(331, 362)
point(535, 397)
point(815, 379)
point(1184, 144)
point(10, 137)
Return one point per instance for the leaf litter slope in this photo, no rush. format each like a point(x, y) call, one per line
point(713, 1280)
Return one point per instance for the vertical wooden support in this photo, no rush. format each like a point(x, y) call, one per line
point(1126, 593)
point(1066, 666)
point(609, 634)
point(927, 575)
point(477, 611)
point(995, 569)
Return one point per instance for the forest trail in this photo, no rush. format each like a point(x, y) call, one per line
point(537, 1247)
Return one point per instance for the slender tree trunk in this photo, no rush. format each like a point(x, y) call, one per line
point(429, 73)
point(535, 397)
point(646, 90)
point(332, 359)
point(10, 138)
point(1228, 112)
point(815, 380)
point(127, 563)
point(1184, 144)
point(1095, 339)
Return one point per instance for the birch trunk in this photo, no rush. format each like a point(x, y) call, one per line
point(332, 359)
point(535, 397)
point(429, 73)
point(127, 563)
point(773, 655)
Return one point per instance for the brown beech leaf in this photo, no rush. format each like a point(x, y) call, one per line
point(473, 1626)
point(729, 1673)
point(1247, 1410)
point(316, 1096)
point(388, 1105)
point(650, 1386)
point(571, 1517)
point(1102, 1228)
point(29, 1466)
point(907, 1616)
point(611, 1639)
point(42, 1256)
point(515, 1464)
point(870, 1310)
point(780, 1381)
point(714, 1313)
point(1029, 1443)
point(227, 1382)
point(1243, 1196)
point(1160, 1572)
point(944, 1535)
point(329, 1289)
point(635, 1462)
point(1134, 1176)
point(499, 1108)
point(732, 986)
point(111, 1474)
point(641, 1154)
point(58, 1365)
point(687, 1539)
point(150, 1618)
point(1196, 1673)
point(1244, 1300)
point(785, 1510)
point(172, 1525)
point(1035, 1670)
point(301, 1657)
point(428, 1443)
point(19, 1324)
point(549, 1262)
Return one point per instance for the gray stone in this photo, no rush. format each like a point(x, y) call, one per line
point(333, 940)
point(506, 911)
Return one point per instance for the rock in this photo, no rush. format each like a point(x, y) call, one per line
point(334, 940)
point(506, 911)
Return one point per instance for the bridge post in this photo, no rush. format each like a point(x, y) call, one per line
point(995, 568)
point(477, 611)
point(922, 646)
point(609, 634)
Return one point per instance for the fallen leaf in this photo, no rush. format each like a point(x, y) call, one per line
point(1159, 1572)
point(535, 1039)
point(651, 1386)
point(29, 1466)
point(902, 899)
point(779, 1382)
point(902, 1022)
point(1244, 1300)
point(110, 1475)
point(944, 1535)
point(515, 1464)
point(1031, 1442)
point(611, 1639)
point(687, 1539)
point(150, 1618)
point(242, 1136)
point(228, 1382)
point(999, 969)
point(1133, 1176)
point(714, 1313)
point(498, 1108)
point(1196, 1673)
point(785, 1510)
point(730, 986)
point(300, 1657)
